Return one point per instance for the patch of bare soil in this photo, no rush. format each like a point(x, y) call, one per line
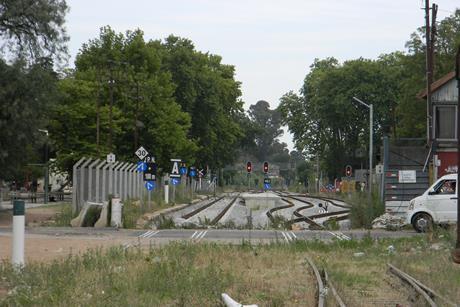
point(34, 216)
point(45, 248)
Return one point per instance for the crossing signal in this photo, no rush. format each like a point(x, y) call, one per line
point(249, 167)
point(348, 171)
point(265, 167)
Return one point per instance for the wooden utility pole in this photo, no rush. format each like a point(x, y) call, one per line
point(430, 38)
point(111, 81)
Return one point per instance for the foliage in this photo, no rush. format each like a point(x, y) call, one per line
point(324, 119)
point(126, 70)
point(206, 89)
point(27, 94)
point(327, 123)
point(34, 28)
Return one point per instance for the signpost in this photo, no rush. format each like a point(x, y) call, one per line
point(267, 183)
point(141, 153)
point(175, 175)
point(249, 170)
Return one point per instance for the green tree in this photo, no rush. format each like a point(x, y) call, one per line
point(27, 93)
point(206, 89)
point(324, 119)
point(119, 76)
point(34, 27)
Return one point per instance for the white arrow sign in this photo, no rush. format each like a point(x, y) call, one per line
point(141, 153)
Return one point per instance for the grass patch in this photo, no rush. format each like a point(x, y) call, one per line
point(185, 274)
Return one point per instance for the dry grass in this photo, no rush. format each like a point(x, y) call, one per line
point(186, 274)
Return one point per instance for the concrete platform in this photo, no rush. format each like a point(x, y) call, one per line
point(266, 200)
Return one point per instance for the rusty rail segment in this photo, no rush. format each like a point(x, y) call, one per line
point(319, 283)
point(205, 206)
point(270, 212)
point(222, 213)
point(328, 282)
point(415, 285)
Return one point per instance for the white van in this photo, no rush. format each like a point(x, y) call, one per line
point(438, 205)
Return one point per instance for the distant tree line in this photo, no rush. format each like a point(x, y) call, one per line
point(123, 92)
point(327, 123)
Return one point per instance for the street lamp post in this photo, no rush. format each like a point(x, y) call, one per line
point(46, 183)
point(371, 134)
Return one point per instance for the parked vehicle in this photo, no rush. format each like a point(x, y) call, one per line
point(438, 205)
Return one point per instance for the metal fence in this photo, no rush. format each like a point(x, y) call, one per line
point(94, 180)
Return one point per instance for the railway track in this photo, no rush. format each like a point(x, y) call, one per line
point(427, 295)
point(215, 219)
point(323, 285)
point(198, 210)
point(339, 215)
point(423, 295)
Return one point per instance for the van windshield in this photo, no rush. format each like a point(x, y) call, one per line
point(445, 187)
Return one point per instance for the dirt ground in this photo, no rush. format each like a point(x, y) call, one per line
point(34, 216)
point(44, 248)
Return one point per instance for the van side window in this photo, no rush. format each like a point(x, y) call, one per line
point(446, 187)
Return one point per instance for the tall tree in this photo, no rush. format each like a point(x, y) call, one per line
point(26, 93)
point(34, 27)
point(206, 89)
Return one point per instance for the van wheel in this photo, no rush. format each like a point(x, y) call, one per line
point(422, 222)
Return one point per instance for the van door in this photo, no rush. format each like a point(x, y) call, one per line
point(443, 201)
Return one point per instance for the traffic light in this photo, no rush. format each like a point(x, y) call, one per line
point(348, 171)
point(265, 167)
point(249, 167)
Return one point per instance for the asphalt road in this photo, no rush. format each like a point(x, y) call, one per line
point(208, 235)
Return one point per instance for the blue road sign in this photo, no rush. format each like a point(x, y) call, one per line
point(141, 166)
point(267, 186)
point(150, 185)
point(183, 170)
point(175, 181)
point(192, 172)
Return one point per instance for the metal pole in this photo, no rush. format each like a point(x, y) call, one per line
point(18, 233)
point(371, 144)
point(47, 172)
point(456, 252)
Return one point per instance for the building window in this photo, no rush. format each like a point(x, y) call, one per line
point(445, 122)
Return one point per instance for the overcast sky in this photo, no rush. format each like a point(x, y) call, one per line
point(271, 43)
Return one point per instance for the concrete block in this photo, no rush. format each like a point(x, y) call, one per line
point(80, 220)
point(102, 221)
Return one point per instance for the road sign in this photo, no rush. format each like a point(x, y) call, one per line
point(192, 171)
point(183, 169)
point(267, 183)
point(175, 168)
point(141, 153)
point(150, 185)
point(150, 172)
point(141, 166)
point(175, 181)
point(111, 158)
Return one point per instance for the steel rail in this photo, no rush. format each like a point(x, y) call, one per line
point(328, 282)
point(205, 206)
point(222, 213)
point(410, 280)
point(319, 282)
